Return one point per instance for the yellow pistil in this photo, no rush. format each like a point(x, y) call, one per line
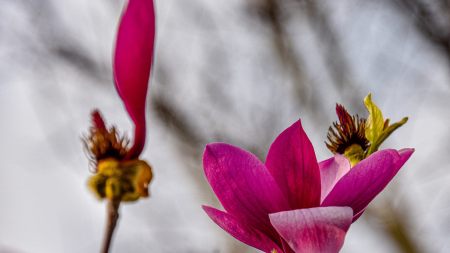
point(121, 180)
point(354, 154)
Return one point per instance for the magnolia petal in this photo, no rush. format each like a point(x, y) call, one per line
point(292, 162)
point(241, 231)
point(243, 185)
point(356, 216)
point(367, 179)
point(331, 170)
point(132, 63)
point(286, 247)
point(312, 230)
point(405, 154)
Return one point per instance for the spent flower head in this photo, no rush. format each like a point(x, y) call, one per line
point(116, 176)
point(119, 173)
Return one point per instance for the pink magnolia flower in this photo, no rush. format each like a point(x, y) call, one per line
point(292, 203)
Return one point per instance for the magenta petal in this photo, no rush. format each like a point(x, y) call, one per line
point(243, 185)
point(357, 215)
point(405, 154)
point(312, 230)
point(241, 231)
point(292, 162)
point(132, 63)
point(331, 170)
point(286, 247)
point(367, 179)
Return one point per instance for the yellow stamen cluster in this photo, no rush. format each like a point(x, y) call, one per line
point(121, 180)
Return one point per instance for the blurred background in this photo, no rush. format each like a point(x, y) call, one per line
point(237, 71)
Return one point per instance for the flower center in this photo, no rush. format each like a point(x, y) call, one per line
point(103, 143)
point(356, 138)
point(125, 181)
point(116, 178)
point(348, 134)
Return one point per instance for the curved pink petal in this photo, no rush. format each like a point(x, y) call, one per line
point(243, 185)
point(292, 162)
point(367, 179)
point(241, 231)
point(331, 170)
point(312, 230)
point(132, 63)
point(357, 215)
point(405, 154)
point(286, 247)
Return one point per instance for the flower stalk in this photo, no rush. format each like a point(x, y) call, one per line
point(112, 212)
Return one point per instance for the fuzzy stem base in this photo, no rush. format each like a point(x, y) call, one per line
point(112, 213)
